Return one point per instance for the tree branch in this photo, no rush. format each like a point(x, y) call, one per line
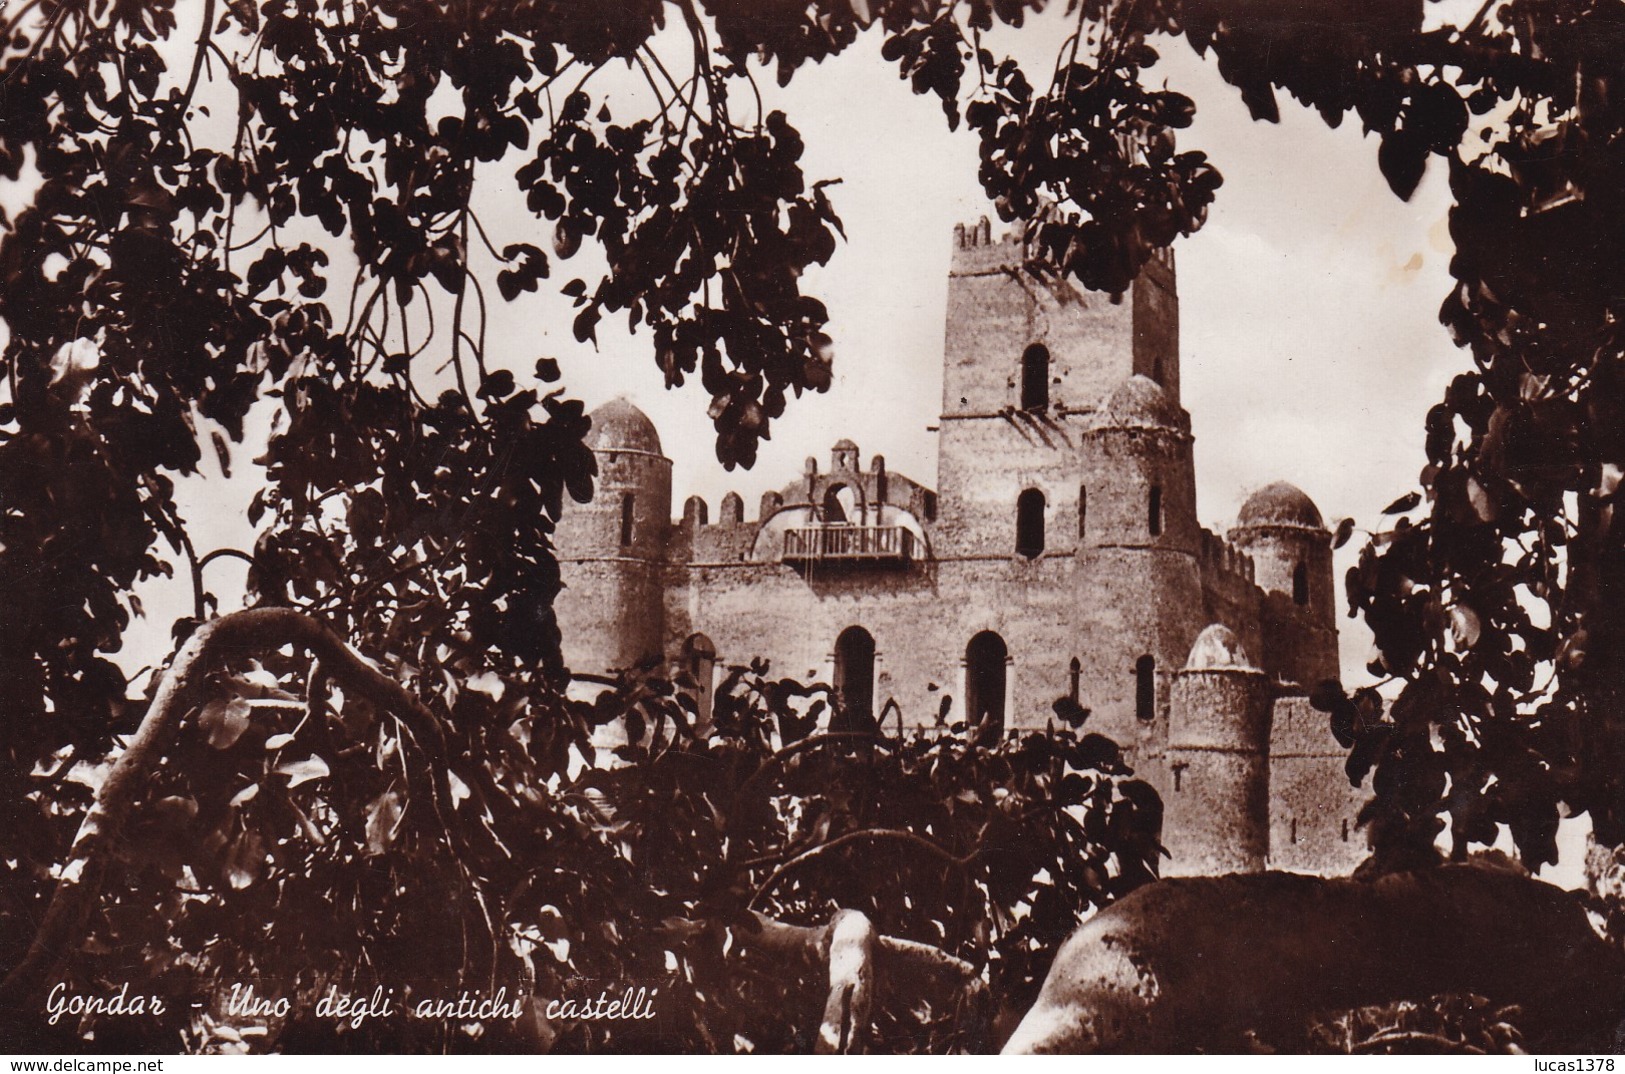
point(180, 690)
point(811, 742)
point(203, 36)
point(870, 835)
point(862, 965)
point(851, 984)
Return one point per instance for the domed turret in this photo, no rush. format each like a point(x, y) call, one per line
point(1280, 504)
point(1216, 810)
point(1140, 403)
point(1139, 482)
point(612, 549)
point(620, 426)
point(1218, 649)
point(1282, 530)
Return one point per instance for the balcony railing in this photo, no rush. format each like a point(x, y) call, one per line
point(841, 544)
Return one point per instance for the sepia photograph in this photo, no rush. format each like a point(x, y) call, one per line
point(901, 527)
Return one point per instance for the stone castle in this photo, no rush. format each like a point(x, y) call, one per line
point(1058, 555)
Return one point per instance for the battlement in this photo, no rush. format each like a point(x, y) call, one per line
point(1221, 556)
point(977, 253)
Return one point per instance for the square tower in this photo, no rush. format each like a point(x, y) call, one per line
point(1023, 361)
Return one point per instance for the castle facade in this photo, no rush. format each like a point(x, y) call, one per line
point(1058, 555)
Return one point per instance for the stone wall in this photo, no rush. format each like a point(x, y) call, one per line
point(1312, 806)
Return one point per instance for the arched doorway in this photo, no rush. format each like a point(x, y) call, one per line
point(700, 665)
point(855, 679)
point(986, 658)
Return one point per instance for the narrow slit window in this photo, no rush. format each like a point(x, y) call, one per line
point(1145, 689)
point(1154, 511)
point(1074, 673)
point(1300, 584)
point(628, 513)
point(1030, 523)
point(1035, 377)
point(1083, 510)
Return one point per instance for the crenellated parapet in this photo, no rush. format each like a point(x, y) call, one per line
point(702, 539)
point(977, 252)
point(1221, 559)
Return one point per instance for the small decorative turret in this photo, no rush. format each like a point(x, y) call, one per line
point(1281, 529)
point(1216, 816)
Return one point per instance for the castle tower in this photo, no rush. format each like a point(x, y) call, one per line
point(1137, 477)
point(1020, 357)
point(1136, 567)
point(612, 550)
point(1281, 529)
point(1216, 812)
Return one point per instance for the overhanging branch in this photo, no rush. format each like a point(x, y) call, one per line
point(181, 689)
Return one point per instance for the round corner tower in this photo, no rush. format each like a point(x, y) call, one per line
point(612, 549)
point(1138, 478)
point(1281, 529)
point(1137, 564)
point(1216, 813)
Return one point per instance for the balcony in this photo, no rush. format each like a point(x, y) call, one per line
point(843, 545)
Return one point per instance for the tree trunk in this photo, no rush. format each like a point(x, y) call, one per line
point(256, 630)
point(1200, 963)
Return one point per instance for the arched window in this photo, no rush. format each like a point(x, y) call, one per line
point(839, 504)
point(985, 660)
point(700, 665)
point(855, 678)
point(1083, 510)
point(628, 512)
point(1074, 672)
point(1035, 377)
point(1145, 689)
point(1300, 584)
point(1030, 523)
point(1154, 511)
